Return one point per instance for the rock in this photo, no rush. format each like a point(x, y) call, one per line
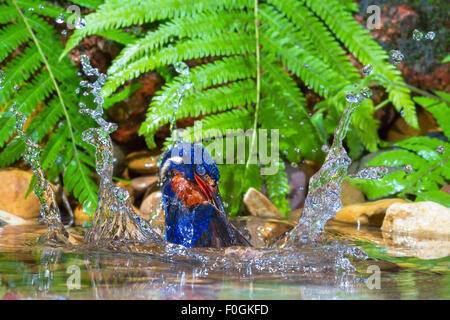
point(80, 216)
point(351, 194)
point(419, 217)
point(295, 215)
point(402, 245)
point(151, 210)
point(144, 183)
point(118, 159)
point(143, 162)
point(262, 232)
point(149, 205)
point(259, 205)
point(10, 219)
point(446, 188)
point(401, 130)
point(368, 213)
point(298, 178)
point(13, 191)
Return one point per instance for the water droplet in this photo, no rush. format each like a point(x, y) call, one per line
point(2, 79)
point(366, 93)
point(64, 32)
point(297, 150)
point(325, 148)
point(408, 168)
point(352, 97)
point(302, 123)
point(41, 7)
point(16, 87)
point(294, 165)
point(417, 35)
point(396, 56)
point(440, 149)
point(286, 152)
point(430, 35)
point(80, 24)
point(367, 69)
point(77, 90)
point(306, 65)
point(30, 9)
point(290, 117)
point(60, 19)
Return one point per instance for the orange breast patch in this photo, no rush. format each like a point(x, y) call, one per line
point(189, 194)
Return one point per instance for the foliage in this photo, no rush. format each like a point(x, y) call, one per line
point(429, 158)
point(44, 90)
point(300, 40)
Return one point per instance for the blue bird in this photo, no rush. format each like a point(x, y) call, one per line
point(195, 215)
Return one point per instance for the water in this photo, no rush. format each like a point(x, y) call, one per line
point(121, 247)
point(50, 214)
point(35, 272)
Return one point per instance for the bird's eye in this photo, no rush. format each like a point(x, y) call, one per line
point(201, 170)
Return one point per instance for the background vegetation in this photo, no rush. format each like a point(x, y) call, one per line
point(251, 66)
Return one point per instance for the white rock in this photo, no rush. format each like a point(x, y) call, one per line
point(418, 217)
point(11, 219)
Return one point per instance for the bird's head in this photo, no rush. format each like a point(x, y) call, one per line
point(189, 173)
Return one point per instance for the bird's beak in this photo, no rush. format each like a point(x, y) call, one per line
point(212, 194)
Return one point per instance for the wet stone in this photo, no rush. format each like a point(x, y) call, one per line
point(262, 232)
point(425, 217)
point(143, 162)
point(12, 194)
point(144, 183)
point(80, 216)
point(150, 205)
point(259, 205)
point(351, 194)
point(368, 213)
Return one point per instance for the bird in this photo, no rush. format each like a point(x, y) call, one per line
point(194, 212)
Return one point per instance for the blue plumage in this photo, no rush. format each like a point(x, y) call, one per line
point(195, 216)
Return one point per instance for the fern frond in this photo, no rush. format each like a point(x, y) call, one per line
point(278, 188)
point(119, 15)
point(200, 25)
point(222, 45)
point(360, 43)
point(43, 88)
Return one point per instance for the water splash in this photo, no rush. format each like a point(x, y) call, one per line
point(367, 69)
point(430, 35)
point(396, 57)
point(114, 218)
point(43, 189)
point(417, 35)
point(177, 98)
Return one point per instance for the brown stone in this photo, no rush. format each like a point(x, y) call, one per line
point(446, 188)
point(295, 214)
point(368, 213)
point(425, 217)
point(10, 219)
point(149, 205)
point(351, 194)
point(401, 130)
point(144, 183)
point(80, 216)
point(151, 210)
point(259, 205)
point(12, 194)
point(262, 232)
point(143, 162)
